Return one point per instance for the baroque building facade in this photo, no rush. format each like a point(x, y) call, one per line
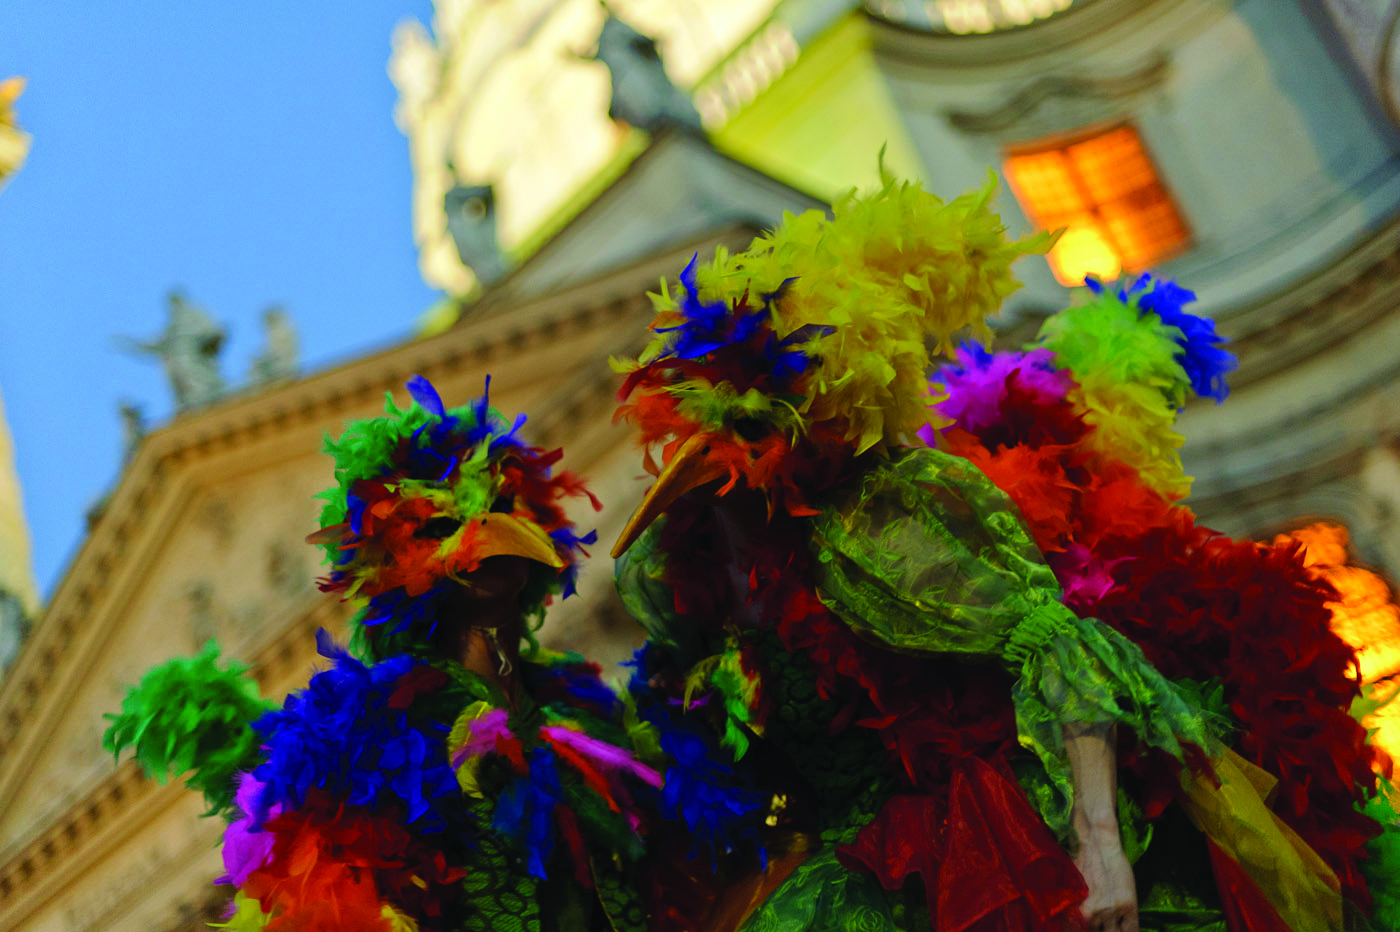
point(1245, 148)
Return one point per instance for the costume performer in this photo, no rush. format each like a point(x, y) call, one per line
point(1078, 431)
point(877, 623)
point(453, 775)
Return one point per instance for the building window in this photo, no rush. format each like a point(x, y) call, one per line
point(1105, 191)
point(1366, 615)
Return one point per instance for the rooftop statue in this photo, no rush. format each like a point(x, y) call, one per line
point(642, 94)
point(133, 428)
point(14, 626)
point(471, 222)
point(189, 351)
point(279, 357)
point(14, 143)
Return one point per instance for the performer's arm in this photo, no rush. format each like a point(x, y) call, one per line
point(1112, 901)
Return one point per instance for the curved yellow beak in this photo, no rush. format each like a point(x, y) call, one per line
point(688, 469)
point(503, 535)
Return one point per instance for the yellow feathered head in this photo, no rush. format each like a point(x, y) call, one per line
point(813, 345)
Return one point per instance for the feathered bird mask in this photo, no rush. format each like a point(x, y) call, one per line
point(424, 495)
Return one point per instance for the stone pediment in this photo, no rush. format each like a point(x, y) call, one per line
point(677, 190)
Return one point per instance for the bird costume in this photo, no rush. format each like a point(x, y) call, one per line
point(875, 621)
point(1078, 431)
point(400, 790)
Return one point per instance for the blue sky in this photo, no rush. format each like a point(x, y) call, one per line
point(243, 152)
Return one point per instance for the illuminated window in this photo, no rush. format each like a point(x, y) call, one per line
point(1104, 189)
point(1365, 615)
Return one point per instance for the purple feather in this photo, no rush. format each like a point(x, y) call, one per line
point(246, 849)
point(605, 756)
point(976, 386)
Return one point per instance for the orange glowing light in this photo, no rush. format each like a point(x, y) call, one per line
point(1105, 191)
point(1366, 617)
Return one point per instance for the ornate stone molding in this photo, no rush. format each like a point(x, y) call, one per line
point(1320, 388)
point(164, 478)
point(1386, 78)
point(1310, 316)
point(1079, 100)
point(37, 867)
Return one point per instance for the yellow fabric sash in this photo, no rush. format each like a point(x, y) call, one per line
point(1236, 816)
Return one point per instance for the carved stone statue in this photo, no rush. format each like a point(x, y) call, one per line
point(203, 625)
point(189, 351)
point(133, 429)
point(279, 357)
point(471, 221)
point(14, 626)
point(642, 94)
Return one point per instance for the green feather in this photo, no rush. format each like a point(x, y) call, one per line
point(1382, 864)
point(190, 715)
point(369, 445)
point(1111, 340)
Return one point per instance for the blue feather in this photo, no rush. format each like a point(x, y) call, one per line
point(703, 789)
point(524, 813)
point(428, 399)
point(338, 734)
point(1201, 356)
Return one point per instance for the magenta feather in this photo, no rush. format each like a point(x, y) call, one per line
point(246, 849)
point(483, 736)
point(1085, 578)
point(976, 385)
point(604, 756)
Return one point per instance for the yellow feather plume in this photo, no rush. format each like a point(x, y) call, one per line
point(896, 274)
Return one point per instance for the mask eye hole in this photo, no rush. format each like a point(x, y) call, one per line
point(438, 528)
point(750, 428)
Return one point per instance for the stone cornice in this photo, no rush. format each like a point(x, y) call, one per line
point(1010, 115)
point(1304, 438)
point(1309, 316)
point(905, 47)
point(1341, 465)
point(37, 867)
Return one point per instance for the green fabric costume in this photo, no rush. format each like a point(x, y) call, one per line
point(925, 555)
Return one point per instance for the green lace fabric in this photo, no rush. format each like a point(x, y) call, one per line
point(498, 893)
point(639, 576)
point(823, 896)
point(925, 555)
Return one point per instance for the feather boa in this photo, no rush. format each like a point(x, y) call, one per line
point(811, 346)
point(342, 731)
point(1100, 503)
point(191, 715)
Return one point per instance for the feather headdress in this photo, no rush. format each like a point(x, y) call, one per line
point(812, 346)
point(424, 495)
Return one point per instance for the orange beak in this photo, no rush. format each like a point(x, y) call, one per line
point(503, 535)
point(329, 535)
point(688, 469)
